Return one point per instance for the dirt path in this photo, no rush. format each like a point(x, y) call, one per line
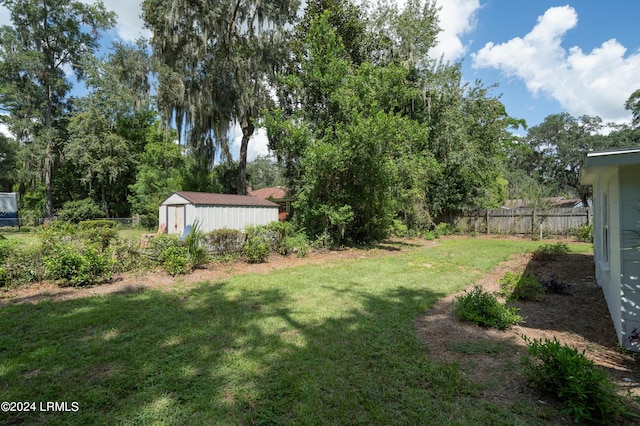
point(491, 358)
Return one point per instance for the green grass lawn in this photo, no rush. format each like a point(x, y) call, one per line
point(318, 345)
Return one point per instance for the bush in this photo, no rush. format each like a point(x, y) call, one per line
point(155, 246)
point(553, 285)
point(551, 251)
point(126, 255)
point(429, 235)
point(442, 229)
point(585, 233)
point(77, 211)
point(174, 260)
point(484, 309)
point(100, 236)
point(6, 248)
point(398, 229)
point(24, 265)
point(568, 375)
point(516, 286)
point(256, 248)
point(93, 224)
point(298, 244)
point(78, 266)
point(224, 242)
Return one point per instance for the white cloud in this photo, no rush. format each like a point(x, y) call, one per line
point(457, 18)
point(593, 83)
point(257, 144)
point(129, 26)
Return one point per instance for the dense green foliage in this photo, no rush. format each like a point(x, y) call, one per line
point(521, 286)
point(481, 308)
point(567, 374)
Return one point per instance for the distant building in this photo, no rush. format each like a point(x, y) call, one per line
point(278, 195)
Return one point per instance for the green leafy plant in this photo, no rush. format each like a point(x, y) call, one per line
point(224, 242)
point(525, 286)
point(80, 210)
point(429, 235)
point(78, 266)
point(442, 229)
point(481, 308)
point(298, 244)
point(551, 251)
point(98, 235)
point(126, 255)
point(175, 260)
point(585, 233)
point(196, 251)
point(256, 248)
point(567, 374)
point(23, 265)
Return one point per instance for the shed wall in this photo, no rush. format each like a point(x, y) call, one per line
point(232, 217)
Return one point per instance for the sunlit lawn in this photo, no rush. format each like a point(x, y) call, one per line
point(318, 345)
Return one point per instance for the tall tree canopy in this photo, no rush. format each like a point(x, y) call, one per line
point(47, 38)
point(216, 59)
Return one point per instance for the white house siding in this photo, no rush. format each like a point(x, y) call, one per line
point(607, 189)
point(630, 256)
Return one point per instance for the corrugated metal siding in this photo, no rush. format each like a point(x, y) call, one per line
point(233, 217)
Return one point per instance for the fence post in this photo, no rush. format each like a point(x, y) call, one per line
point(487, 219)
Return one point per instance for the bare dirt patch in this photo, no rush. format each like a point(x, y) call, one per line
point(491, 358)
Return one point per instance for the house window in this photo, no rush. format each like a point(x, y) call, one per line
point(605, 228)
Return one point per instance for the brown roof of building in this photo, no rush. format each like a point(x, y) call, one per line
point(275, 193)
point(224, 199)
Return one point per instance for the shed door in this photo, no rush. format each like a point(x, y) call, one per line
point(175, 219)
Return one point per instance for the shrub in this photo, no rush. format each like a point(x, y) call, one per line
point(100, 236)
point(160, 243)
point(429, 235)
point(398, 228)
point(6, 248)
point(256, 248)
point(78, 266)
point(516, 286)
point(484, 309)
point(298, 244)
point(126, 255)
point(174, 260)
point(323, 241)
point(567, 374)
point(553, 285)
point(224, 242)
point(3, 276)
point(585, 233)
point(24, 265)
point(442, 229)
point(77, 211)
point(92, 224)
point(551, 251)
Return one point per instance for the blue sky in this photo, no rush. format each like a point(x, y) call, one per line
point(581, 57)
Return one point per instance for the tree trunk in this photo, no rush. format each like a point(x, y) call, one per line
point(247, 132)
point(48, 156)
point(105, 204)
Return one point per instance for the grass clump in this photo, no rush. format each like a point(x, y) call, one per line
point(551, 251)
point(567, 374)
point(481, 308)
point(525, 286)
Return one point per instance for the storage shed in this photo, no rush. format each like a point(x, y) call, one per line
point(615, 177)
point(9, 209)
point(215, 211)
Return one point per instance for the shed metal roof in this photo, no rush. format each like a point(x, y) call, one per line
point(203, 198)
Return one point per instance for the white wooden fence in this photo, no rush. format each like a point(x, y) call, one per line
point(527, 221)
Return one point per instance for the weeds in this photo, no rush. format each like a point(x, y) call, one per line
point(551, 251)
point(484, 309)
